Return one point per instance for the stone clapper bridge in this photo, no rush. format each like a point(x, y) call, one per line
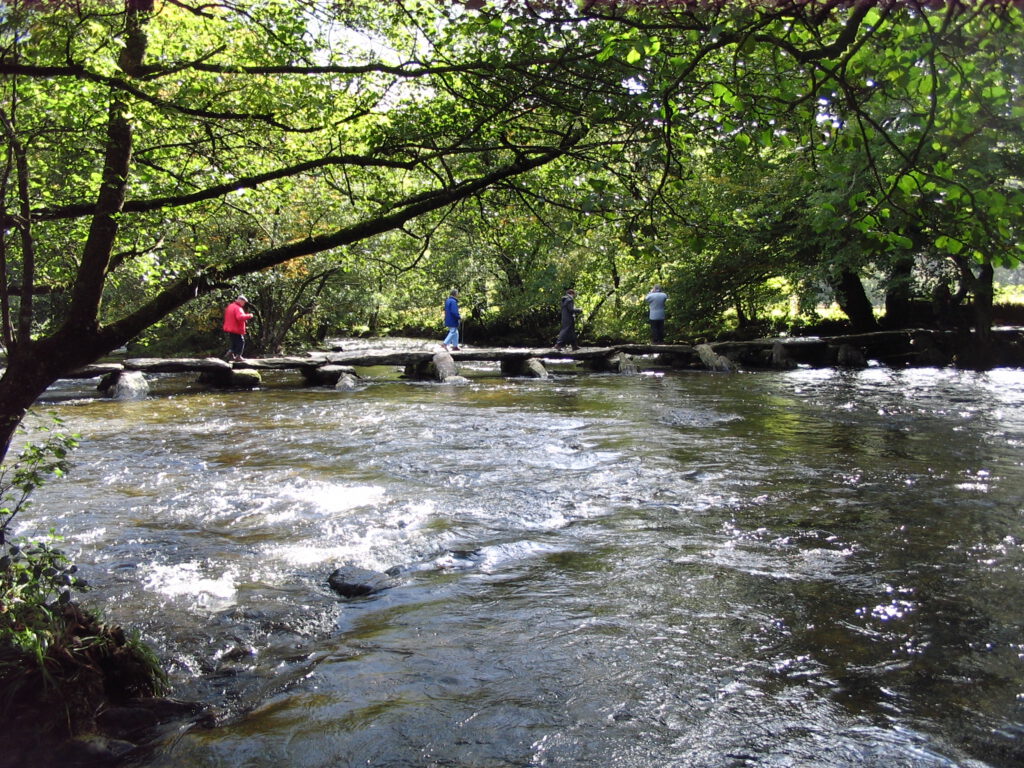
point(426, 361)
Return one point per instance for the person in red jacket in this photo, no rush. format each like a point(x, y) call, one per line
point(235, 318)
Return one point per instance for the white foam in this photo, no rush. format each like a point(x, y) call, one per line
point(187, 580)
point(335, 497)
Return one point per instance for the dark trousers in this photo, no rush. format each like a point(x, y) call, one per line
point(567, 335)
point(657, 331)
point(237, 343)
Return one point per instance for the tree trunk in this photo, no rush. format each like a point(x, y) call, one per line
point(984, 348)
point(741, 317)
point(899, 313)
point(31, 368)
point(16, 395)
point(854, 301)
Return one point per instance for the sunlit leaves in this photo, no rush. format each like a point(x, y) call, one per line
point(728, 127)
point(949, 244)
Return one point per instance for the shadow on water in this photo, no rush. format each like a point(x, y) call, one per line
point(806, 568)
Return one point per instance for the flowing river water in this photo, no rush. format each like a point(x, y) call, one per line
point(808, 568)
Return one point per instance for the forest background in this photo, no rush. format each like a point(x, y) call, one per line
point(346, 163)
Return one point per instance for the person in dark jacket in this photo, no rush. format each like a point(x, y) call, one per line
point(567, 334)
point(452, 318)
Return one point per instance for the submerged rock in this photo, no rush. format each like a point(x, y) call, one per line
point(91, 751)
point(352, 581)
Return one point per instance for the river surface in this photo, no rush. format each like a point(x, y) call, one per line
point(808, 568)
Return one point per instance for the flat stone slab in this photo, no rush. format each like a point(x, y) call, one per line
point(374, 357)
point(283, 363)
point(370, 357)
point(890, 347)
point(501, 354)
point(94, 370)
point(176, 365)
point(497, 354)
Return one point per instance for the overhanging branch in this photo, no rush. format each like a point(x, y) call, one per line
point(208, 280)
point(218, 190)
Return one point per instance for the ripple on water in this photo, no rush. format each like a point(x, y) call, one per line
point(813, 568)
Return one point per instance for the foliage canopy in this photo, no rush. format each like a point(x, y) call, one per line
point(158, 152)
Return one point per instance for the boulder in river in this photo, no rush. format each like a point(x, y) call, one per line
point(622, 363)
point(126, 385)
point(353, 581)
point(849, 356)
point(444, 366)
point(246, 378)
point(712, 360)
point(535, 369)
point(347, 382)
point(327, 375)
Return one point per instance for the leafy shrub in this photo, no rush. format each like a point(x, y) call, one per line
point(58, 663)
point(35, 578)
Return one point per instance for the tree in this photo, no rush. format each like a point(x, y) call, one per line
point(130, 133)
point(870, 153)
point(922, 132)
point(143, 141)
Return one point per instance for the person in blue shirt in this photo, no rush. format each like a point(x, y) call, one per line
point(452, 320)
point(656, 301)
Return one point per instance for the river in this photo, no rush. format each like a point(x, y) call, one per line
point(803, 568)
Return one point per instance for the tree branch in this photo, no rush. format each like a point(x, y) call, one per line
point(23, 223)
point(210, 193)
point(206, 281)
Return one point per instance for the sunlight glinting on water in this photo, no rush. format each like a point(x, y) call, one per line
point(188, 579)
point(804, 568)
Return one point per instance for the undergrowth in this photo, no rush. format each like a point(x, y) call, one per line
point(59, 664)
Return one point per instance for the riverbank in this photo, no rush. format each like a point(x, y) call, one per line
point(89, 697)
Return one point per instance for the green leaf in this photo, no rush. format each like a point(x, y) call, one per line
point(949, 244)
